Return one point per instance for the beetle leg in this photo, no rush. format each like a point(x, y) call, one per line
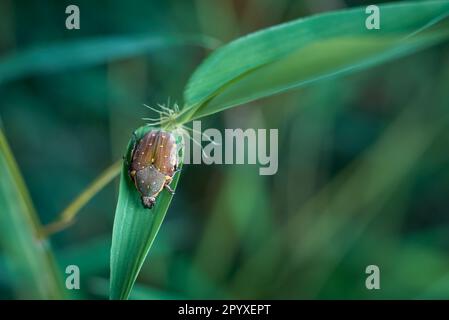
point(169, 189)
point(134, 139)
point(134, 142)
point(132, 175)
point(176, 169)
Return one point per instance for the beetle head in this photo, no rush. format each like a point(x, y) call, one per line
point(148, 202)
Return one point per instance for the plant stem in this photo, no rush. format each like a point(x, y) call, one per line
point(67, 216)
point(36, 274)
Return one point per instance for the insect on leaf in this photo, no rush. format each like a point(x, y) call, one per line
point(135, 227)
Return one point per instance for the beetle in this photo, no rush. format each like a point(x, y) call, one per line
point(154, 161)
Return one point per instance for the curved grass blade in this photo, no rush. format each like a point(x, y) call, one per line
point(306, 50)
point(30, 262)
point(100, 287)
point(88, 52)
point(135, 228)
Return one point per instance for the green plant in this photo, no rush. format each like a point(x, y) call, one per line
point(265, 63)
point(34, 267)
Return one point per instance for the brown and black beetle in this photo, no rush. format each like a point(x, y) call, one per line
point(154, 161)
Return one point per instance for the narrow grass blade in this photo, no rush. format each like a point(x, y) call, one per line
point(67, 216)
point(100, 286)
point(135, 228)
point(30, 260)
point(306, 50)
point(88, 52)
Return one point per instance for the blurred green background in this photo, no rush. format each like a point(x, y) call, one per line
point(363, 161)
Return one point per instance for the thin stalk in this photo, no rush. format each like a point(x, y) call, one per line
point(67, 216)
point(20, 183)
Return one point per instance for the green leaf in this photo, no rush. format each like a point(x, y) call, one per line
point(29, 259)
point(306, 50)
point(135, 227)
point(88, 52)
point(100, 287)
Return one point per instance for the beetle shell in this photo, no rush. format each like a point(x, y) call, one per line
point(154, 162)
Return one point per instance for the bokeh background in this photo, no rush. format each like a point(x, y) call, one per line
point(363, 161)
